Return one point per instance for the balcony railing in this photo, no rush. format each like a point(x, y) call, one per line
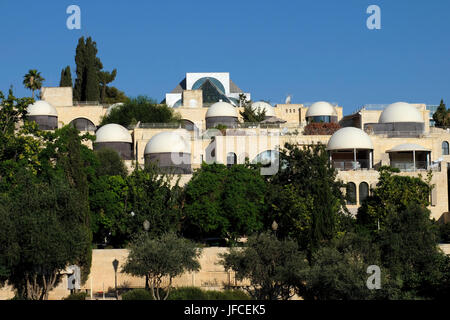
point(347, 165)
point(409, 166)
point(394, 134)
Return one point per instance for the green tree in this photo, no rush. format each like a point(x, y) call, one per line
point(33, 81)
point(105, 78)
point(69, 157)
point(91, 82)
point(441, 117)
point(224, 202)
point(93, 67)
point(164, 257)
point(153, 197)
point(409, 250)
point(19, 139)
point(114, 95)
point(45, 234)
point(141, 109)
point(304, 197)
point(110, 163)
point(66, 78)
point(109, 217)
point(393, 193)
point(250, 114)
point(274, 267)
point(80, 81)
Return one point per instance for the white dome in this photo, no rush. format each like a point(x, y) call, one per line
point(221, 109)
point(400, 112)
point(321, 108)
point(111, 107)
point(349, 138)
point(41, 108)
point(408, 147)
point(113, 133)
point(172, 141)
point(262, 105)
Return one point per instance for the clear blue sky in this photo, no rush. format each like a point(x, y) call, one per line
point(314, 50)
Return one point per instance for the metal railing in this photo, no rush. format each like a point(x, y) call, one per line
point(347, 165)
point(409, 165)
point(394, 134)
point(85, 103)
point(170, 125)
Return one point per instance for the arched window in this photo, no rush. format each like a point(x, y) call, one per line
point(445, 148)
point(351, 193)
point(83, 124)
point(231, 159)
point(363, 192)
point(187, 124)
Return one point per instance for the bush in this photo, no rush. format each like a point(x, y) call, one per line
point(321, 128)
point(137, 294)
point(188, 293)
point(228, 295)
point(76, 296)
point(194, 293)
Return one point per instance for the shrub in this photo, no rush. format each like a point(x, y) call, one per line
point(227, 295)
point(137, 294)
point(188, 293)
point(76, 296)
point(194, 293)
point(321, 128)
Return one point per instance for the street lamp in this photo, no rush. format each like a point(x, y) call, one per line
point(146, 225)
point(115, 264)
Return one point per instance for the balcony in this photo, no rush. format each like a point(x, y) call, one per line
point(348, 165)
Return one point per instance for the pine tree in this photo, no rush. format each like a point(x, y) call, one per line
point(66, 78)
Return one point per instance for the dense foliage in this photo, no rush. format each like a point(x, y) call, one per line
point(305, 198)
point(141, 109)
point(393, 194)
point(274, 267)
point(321, 128)
point(43, 201)
point(223, 202)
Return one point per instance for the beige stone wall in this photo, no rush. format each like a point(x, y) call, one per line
point(69, 113)
point(212, 275)
point(192, 99)
point(57, 96)
point(289, 112)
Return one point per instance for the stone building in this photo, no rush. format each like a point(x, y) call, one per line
point(397, 135)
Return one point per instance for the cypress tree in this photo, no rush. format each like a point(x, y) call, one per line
point(80, 61)
point(66, 77)
point(92, 70)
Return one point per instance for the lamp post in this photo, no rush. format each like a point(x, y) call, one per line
point(115, 264)
point(146, 226)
